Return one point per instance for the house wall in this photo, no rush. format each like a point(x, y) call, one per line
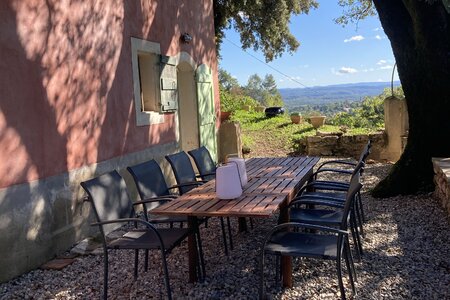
point(67, 109)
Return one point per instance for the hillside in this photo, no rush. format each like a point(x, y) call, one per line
point(294, 97)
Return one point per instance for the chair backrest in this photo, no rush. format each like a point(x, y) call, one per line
point(354, 188)
point(182, 169)
point(204, 162)
point(149, 179)
point(366, 151)
point(109, 198)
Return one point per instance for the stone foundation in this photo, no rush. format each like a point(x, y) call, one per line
point(442, 181)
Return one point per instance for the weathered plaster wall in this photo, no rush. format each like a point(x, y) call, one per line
point(67, 110)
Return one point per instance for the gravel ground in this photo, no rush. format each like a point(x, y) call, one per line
point(407, 255)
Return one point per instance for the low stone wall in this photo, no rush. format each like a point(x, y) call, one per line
point(442, 181)
point(346, 145)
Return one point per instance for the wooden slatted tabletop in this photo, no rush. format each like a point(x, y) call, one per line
point(273, 182)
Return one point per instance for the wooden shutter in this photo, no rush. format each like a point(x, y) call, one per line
point(169, 84)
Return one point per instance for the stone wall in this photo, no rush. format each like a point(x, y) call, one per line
point(442, 181)
point(346, 145)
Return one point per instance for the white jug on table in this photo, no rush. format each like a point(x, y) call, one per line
point(228, 181)
point(242, 170)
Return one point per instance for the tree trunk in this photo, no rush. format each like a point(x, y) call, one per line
point(420, 38)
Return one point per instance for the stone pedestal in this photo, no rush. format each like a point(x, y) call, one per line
point(396, 127)
point(230, 142)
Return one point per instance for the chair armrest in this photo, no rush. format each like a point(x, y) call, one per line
point(316, 201)
point(338, 162)
point(150, 200)
point(197, 183)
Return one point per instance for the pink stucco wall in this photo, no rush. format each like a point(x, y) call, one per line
point(66, 90)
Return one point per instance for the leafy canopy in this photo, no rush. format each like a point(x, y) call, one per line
point(262, 24)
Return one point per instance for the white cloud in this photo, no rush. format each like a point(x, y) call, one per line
point(281, 80)
point(377, 29)
point(381, 62)
point(378, 37)
point(344, 70)
point(347, 70)
point(385, 67)
point(354, 38)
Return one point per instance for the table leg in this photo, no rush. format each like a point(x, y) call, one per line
point(242, 222)
point(193, 251)
point(286, 261)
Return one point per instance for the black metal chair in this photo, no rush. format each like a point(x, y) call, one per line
point(152, 187)
point(204, 162)
point(112, 206)
point(153, 192)
point(319, 242)
point(303, 209)
point(185, 174)
point(341, 186)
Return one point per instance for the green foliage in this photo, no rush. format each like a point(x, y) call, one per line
point(233, 102)
point(296, 114)
point(228, 82)
point(368, 114)
point(355, 10)
point(264, 91)
point(262, 25)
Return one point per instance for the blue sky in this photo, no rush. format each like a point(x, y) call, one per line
point(328, 53)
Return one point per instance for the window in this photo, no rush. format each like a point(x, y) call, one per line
point(145, 62)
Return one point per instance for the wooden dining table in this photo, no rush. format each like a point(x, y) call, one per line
point(272, 183)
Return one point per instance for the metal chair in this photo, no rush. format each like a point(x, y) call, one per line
point(204, 162)
point(152, 187)
point(185, 174)
point(319, 242)
point(153, 192)
point(331, 216)
point(112, 206)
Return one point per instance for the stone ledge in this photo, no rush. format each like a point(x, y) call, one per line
point(442, 181)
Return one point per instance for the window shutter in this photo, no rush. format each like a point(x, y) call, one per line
point(169, 84)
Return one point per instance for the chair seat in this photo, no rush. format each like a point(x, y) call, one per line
point(303, 244)
point(147, 239)
point(316, 216)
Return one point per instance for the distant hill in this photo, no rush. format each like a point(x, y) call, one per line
point(332, 93)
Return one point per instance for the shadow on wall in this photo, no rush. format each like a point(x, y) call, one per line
point(67, 102)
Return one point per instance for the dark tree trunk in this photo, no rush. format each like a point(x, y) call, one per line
point(420, 37)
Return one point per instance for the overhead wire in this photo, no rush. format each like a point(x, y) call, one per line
point(263, 62)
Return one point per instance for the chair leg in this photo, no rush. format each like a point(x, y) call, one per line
point(222, 224)
point(146, 260)
point(355, 226)
point(105, 274)
point(230, 237)
point(339, 273)
point(359, 219)
point(355, 241)
point(359, 199)
point(261, 277)
point(352, 264)
point(166, 275)
point(136, 260)
point(350, 271)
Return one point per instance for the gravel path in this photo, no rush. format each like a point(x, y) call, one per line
point(407, 255)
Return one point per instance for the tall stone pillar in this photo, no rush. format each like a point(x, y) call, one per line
point(230, 142)
point(396, 126)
